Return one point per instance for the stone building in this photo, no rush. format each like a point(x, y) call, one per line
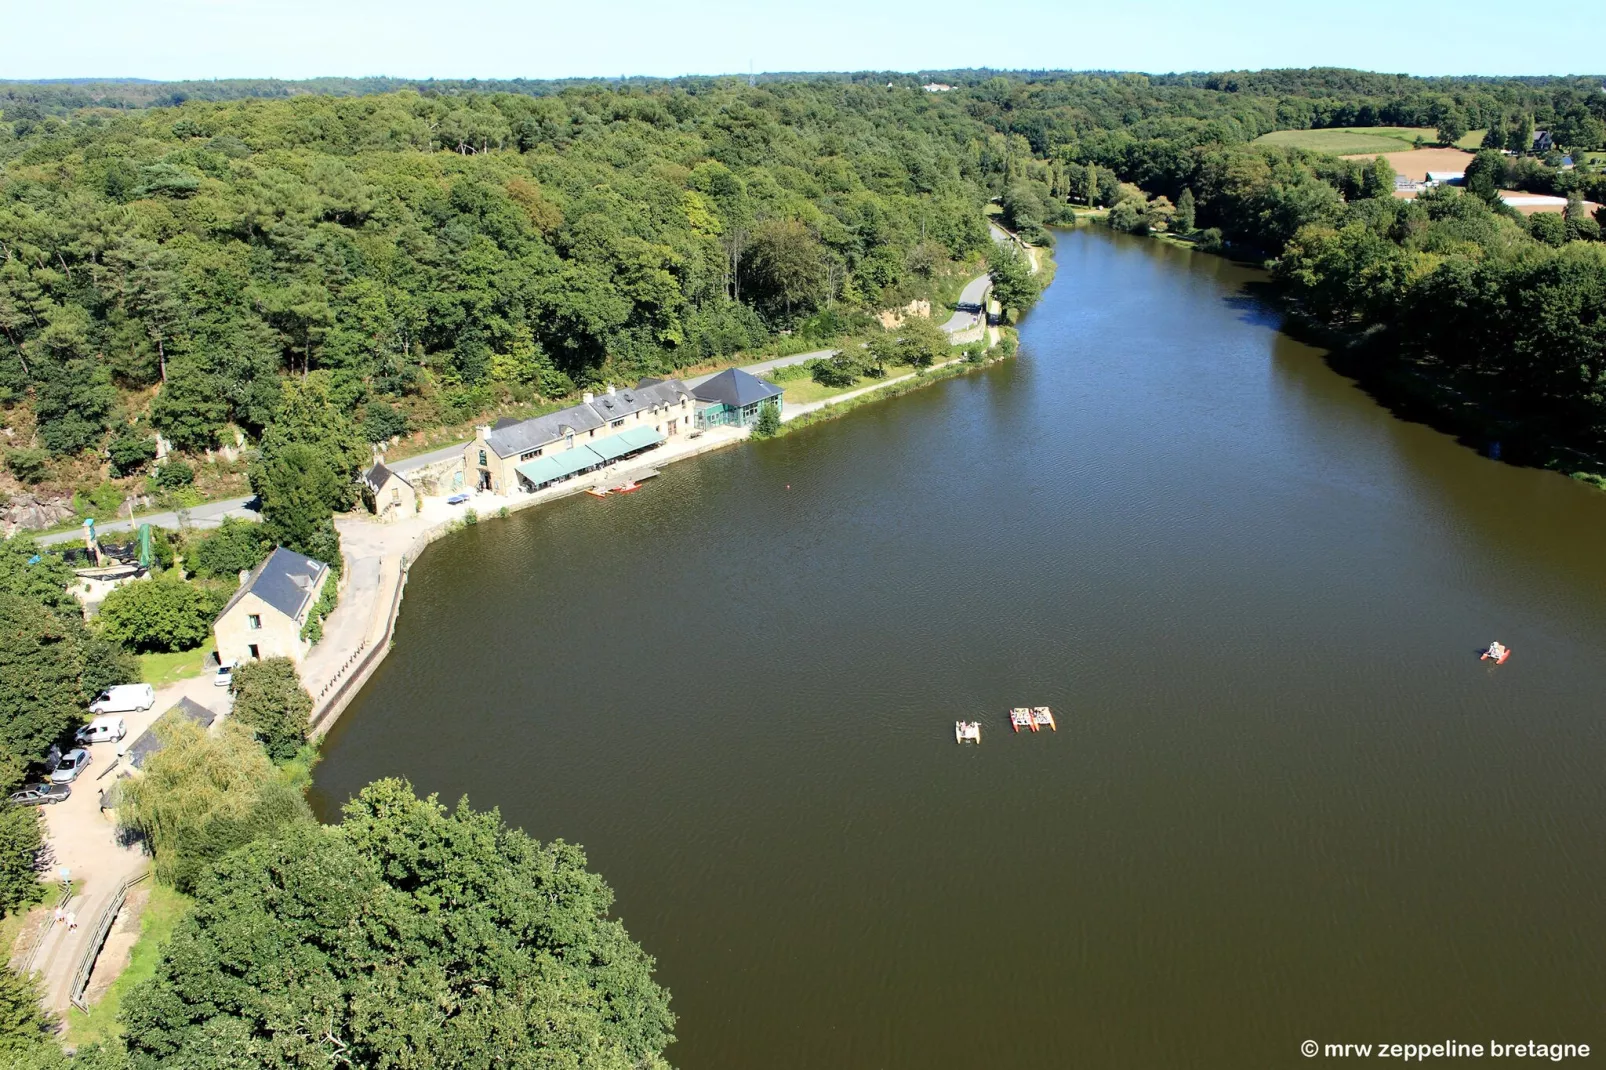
point(607, 427)
point(265, 617)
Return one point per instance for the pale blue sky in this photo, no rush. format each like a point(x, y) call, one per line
point(182, 39)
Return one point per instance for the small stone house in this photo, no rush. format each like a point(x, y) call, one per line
point(265, 617)
point(389, 496)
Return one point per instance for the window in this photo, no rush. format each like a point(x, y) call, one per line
point(532, 453)
point(256, 654)
point(253, 621)
point(617, 423)
point(482, 458)
point(592, 433)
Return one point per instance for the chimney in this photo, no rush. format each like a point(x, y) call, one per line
point(610, 390)
point(588, 397)
point(482, 432)
point(245, 574)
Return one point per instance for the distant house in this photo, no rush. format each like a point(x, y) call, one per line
point(150, 741)
point(389, 495)
point(265, 617)
point(1445, 178)
point(733, 398)
point(604, 428)
point(1406, 184)
point(937, 87)
point(1543, 142)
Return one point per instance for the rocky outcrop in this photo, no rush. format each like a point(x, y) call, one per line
point(28, 513)
point(893, 318)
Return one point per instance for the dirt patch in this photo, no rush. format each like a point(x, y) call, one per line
point(1416, 163)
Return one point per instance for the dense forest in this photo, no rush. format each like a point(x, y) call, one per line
point(423, 255)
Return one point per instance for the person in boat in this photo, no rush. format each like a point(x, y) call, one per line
point(1496, 651)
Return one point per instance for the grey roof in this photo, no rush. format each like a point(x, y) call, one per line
point(512, 439)
point(736, 388)
point(148, 743)
point(375, 477)
point(287, 581)
point(644, 395)
point(531, 434)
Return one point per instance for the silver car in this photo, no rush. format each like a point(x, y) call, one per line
point(70, 766)
point(41, 794)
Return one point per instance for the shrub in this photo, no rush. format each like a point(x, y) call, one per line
point(173, 475)
point(130, 452)
point(236, 546)
point(270, 701)
point(162, 613)
point(28, 465)
point(381, 421)
point(836, 371)
point(768, 423)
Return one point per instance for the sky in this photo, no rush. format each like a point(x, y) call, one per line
point(193, 39)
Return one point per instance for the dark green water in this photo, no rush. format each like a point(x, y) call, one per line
point(1286, 800)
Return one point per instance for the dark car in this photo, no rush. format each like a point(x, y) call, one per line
point(40, 794)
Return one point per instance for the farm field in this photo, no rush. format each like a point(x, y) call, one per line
point(1416, 163)
point(1358, 140)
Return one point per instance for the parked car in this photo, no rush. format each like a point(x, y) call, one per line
point(71, 764)
point(103, 730)
point(225, 674)
point(124, 698)
point(41, 794)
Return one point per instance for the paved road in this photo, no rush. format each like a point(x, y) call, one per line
point(209, 515)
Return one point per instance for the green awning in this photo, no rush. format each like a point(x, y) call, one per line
point(545, 469)
point(637, 438)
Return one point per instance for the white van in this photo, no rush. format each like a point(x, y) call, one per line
point(103, 730)
point(124, 698)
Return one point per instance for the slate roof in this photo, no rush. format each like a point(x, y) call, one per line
point(644, 395)
point(375, 477)
point(736, 389)
point(512, 439)
point(148, 743)
point(532, 434)
point(287, 581)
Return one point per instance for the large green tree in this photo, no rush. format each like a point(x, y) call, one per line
point(51, 667)
point(270, 701)
point(162, 613)
point(204, 794)
point(407, 935)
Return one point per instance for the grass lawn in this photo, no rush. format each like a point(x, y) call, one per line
point(1352, 141)
point(163, 910)
point(804, 391)
point(159, 670)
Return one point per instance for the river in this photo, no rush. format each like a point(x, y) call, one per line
point(1285, 801)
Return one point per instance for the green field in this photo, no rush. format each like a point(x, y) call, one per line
point(1351, 141)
